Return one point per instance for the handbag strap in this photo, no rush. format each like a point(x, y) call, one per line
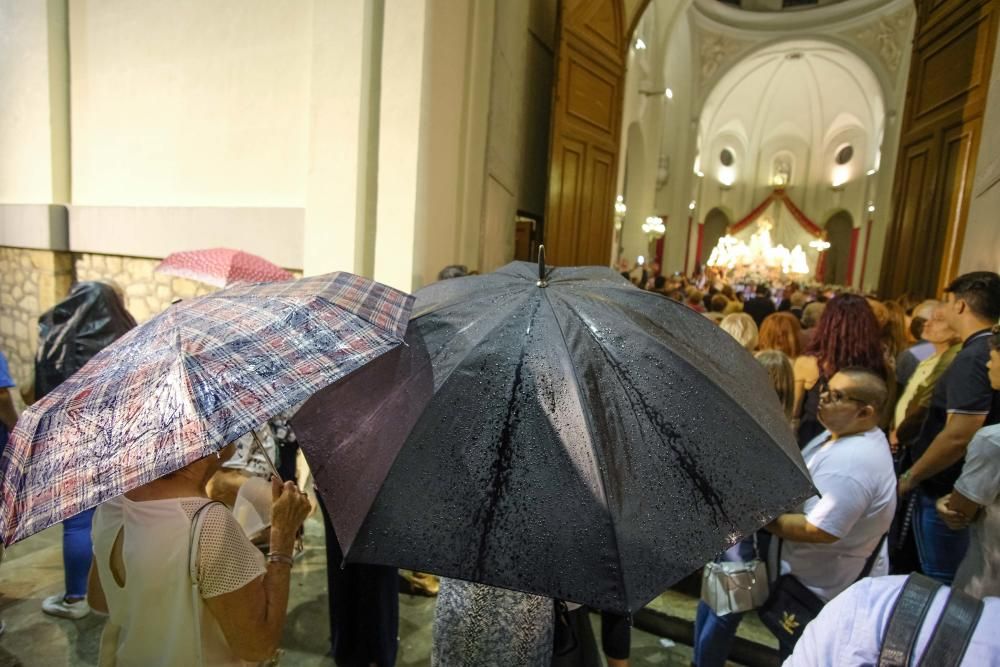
point(197, 522)
point(905, 621)
point(953, 631)
point(870, 563)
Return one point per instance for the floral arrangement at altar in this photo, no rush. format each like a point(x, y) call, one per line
point(759, 259)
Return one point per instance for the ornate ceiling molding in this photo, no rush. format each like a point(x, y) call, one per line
point(716, 50)
point(887, 37)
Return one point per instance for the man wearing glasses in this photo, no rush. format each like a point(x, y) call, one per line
point(827, 545)
point(963, 401)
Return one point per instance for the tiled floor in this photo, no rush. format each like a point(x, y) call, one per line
point(33, 570)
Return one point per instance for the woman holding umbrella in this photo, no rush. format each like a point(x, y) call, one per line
point(181, 582)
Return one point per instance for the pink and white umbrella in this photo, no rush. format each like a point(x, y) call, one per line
point(222, 267)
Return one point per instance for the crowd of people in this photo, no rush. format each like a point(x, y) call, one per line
point(894, 405)
point(896, 409)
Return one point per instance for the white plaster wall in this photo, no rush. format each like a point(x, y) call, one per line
point(189, 102)
point(26, 163)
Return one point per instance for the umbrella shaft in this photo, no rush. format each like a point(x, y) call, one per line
point(270, 463)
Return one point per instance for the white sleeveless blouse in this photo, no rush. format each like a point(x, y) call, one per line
point(153, 617)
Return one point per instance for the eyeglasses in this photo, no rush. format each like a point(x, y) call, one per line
point(837, 396)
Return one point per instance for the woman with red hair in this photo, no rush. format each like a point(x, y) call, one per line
point(848, 335)
point(782, 332)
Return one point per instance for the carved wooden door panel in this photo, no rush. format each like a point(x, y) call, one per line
point(946, 99)
point(586, 122)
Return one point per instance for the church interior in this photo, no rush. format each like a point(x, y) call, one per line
point(391, 138)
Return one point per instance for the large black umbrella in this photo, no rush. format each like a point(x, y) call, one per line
point(573, 437)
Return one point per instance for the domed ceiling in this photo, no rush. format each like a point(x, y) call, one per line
point(794, 108)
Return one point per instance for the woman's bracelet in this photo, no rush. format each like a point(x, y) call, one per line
point(278, 557)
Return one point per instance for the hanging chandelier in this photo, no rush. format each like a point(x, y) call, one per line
point(760, 258)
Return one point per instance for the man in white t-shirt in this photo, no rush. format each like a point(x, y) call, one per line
point(850, 630)
point(827, 544)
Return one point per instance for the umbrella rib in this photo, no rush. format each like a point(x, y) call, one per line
point(703, 371)
point(709, 494)
point(591, 432)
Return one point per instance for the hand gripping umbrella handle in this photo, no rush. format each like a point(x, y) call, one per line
point(270, 463)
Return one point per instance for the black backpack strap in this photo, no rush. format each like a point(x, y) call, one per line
point(905, 621)
point(953, 631)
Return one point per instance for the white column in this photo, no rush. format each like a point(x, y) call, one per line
point(400, 209)
point(339, 215)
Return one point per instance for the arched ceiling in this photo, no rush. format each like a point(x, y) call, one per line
point(800, 92)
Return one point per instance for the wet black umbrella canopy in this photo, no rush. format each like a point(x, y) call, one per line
point(554, 431)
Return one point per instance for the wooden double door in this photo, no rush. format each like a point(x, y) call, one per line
point(585, 132)
point(946, 99)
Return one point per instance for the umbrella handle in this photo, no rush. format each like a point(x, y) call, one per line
point(260, 446)
point(542, 282)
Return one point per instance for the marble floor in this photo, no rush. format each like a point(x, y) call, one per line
point(32, 570)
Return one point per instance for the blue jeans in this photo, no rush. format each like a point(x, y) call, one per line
point(941, 549)
point(713, 636)
point(77, 552)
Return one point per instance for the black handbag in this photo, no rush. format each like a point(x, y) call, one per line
point(564, 639)
point(791, 606)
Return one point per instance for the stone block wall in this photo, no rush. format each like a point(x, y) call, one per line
point(146, 293)
point(31, 282)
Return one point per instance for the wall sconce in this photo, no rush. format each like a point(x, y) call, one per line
point(820, 245)
point(871, 207)
point(620, 210)
point(727, 176)
point(640, 45)
point(841, 175)
point(692, 205)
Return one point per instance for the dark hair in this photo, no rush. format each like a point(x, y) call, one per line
point(917, 327)
point(718, 303)
point(453, 271)
point(846, 336)
point(659, 282)
point(871, 388)
point(762, 290)
point(981, 290)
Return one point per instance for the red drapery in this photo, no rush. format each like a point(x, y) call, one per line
point(855, 233)
point(782, 196)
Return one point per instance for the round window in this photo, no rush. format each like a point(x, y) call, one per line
point(845, 154)
point(727, 158)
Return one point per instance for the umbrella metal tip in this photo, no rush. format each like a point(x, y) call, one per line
point(541, 268)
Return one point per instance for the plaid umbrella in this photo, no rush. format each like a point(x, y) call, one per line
point(221, 267)
point(186, 383)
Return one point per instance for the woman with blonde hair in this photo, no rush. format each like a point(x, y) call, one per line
point(779, 369)
point(741, 327)
point(782, 332)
